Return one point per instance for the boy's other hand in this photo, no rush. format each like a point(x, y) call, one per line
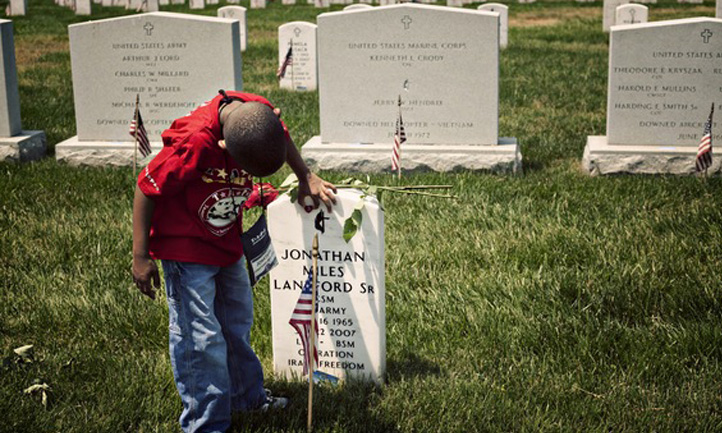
point(319, 190)
point(145, 275)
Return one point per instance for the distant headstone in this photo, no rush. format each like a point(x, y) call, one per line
point(107, 3)
point(288, 2)
point(357, 6)
point(646, 1)
point(15, 144)
point(409, 51)
point(83, 7)
point(17, 8)
point(699, 2)
point(302, 73)
point(233, 2)
point(387, 2)
point(162, 56)
point(322, 3)
point(197, 4)
point(351, 287)
point(177, 2)
point(718, 14)
point(610, 11)
point(237, 13)
point(151, 6)
point(663, 78)
point(163, 2)
point(631, 14)
point(503, 12)
point(258, 4)
point(368, 2)
point(212, 2)
point(455, 3)
point(527, 1)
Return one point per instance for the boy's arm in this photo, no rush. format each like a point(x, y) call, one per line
point(145, 270)
point(309, 184)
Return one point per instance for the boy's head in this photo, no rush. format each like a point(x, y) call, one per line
point(255, 138)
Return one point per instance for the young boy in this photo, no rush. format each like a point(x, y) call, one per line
point(186, 212)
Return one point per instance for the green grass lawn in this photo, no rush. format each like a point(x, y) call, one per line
point(549, 301)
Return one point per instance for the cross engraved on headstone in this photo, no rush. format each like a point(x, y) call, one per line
point(706, 35)
point(406, 20)
point(632, 13)
point(297, 32)
point(148, 29)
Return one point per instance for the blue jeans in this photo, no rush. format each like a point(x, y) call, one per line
point(215, 369)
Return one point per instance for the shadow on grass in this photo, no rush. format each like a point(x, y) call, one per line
point(349, 407)
point(410, 367)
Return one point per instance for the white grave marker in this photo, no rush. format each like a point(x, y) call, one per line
point(351, 284)
point(610, 11)
point(197, 4)
point(631, 14)
point(15, 144)
point(423, 54)
point(258, 4)
point(302, 74)
point(718, 13)
point(162, 56)
point(357, 6)
point(503, 12)
point(322, 3)
point(83, 7)
point(663, 78)
point(17, 8)
point(237, 13)
point(288, 2)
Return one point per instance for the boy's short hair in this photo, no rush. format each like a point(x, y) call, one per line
point(255, 138)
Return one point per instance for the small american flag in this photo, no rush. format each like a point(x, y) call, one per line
point(399, 139)
point(142, 137)
point(288, 61)
point(301, 322)
point(704, 151)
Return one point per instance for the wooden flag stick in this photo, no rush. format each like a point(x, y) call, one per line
point(135, 135)
point(312, 346)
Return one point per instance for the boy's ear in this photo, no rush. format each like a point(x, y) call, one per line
point(222, 144)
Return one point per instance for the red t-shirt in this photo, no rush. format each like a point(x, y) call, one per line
point(198, 190)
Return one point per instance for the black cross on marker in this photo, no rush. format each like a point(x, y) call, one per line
point(148, 29)
point(706, 34)
point(406, 20)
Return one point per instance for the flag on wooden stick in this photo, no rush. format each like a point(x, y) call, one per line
point(704, 150)
point(138, 132)
point(399, 139)
point(288, 61)
point(301, 322)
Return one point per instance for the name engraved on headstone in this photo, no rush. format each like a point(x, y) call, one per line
point(302, 73)
point(162, 57)
point(425, 54)
point(351, 304)
point(663, 77)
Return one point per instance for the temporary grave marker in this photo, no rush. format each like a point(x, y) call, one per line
point(610, 11)
point(15, 144)
point(424, 54)
point(161, 56)
point(631, 13)
point(352, 306)
point(503, 11)
point(663, 78)
point(302, 73)
point(237, 13)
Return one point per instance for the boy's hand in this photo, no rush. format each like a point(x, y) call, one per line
point(145, 272)
point(318, 189)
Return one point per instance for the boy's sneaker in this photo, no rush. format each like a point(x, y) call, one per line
point(273, 403)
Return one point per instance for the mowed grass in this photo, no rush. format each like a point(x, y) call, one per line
point(549, 301)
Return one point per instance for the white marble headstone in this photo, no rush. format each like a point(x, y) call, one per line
point(631, 14)
point(351, 283)
point(302, 74)
point(177, 2)
point(258, 4)
point(212, 2)
point(18, 8)
point(357, 6)
point(161, 56)
point(503, 12)
point(718, 12)
point(197, 4)
point(15, 144)
point(610, 11)
point(322, 3)
point(288, 2)
point(237, 13)
point(455, 3)
point(83, 7)
point(663, 78)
